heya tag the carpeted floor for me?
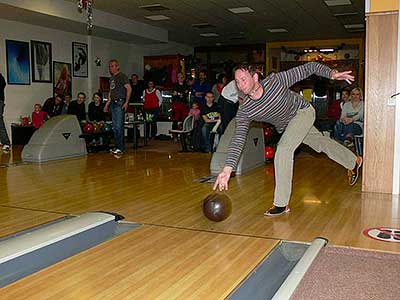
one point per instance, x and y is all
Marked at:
(342, 273)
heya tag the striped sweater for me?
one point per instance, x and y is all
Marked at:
(277, 106)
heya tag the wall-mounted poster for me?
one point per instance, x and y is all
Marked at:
(80, 59)
(62, 82)
(18, 68)
(41, 61)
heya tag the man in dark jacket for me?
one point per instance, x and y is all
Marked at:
(4, 140)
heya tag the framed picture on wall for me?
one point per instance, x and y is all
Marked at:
(41, 61)
(80, 59)
(18, 68)
(62, 80)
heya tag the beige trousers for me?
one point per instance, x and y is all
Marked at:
(301, 130)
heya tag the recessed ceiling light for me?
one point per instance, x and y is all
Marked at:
(154, 7)
(202, 25)
(241, 10)
(157, 17)
(353, 26)
(209, 34)
(277, 30)
(337, 2)
(356, 30)
(349, 14)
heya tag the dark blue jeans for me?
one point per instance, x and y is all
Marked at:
(206, 130)
(3, 132)
(118, 115)
(342, 131)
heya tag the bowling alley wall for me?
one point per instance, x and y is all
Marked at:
(381, 43)
(20, 99)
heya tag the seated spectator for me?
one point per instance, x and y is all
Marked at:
(351, 120)
(67, 101)
(38, 116)
(210, 114)
(96, 109)
(53, 106)
(78, 108)
(222, 81)
(195, 111)
(335, 109)
(334, 112)
(196, 136)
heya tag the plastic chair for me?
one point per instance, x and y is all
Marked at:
(358, 144)
(214, 137)
(184, 133)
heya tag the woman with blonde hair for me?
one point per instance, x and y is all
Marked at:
(351, 120)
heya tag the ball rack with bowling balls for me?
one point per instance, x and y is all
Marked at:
(97, 135)
(271, 139)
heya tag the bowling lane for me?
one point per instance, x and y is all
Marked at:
(149, 262)
(13, 220)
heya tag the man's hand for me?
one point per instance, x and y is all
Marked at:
(125, 106)
(222, 179)
(346, 75)
(105, 109)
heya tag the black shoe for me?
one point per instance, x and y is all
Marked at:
(277, 210)
(354, 174)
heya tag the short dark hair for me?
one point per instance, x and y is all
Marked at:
(61, 96)
(82, 93)
(98, 94)
(252, 69)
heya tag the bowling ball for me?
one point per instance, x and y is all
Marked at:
(217, 207)
(101, 124)
(107, 128)
(88, 128)
(268, 133)
(269, 152)
(96, 128)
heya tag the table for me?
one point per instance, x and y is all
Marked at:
(20, 135)
(135, 125)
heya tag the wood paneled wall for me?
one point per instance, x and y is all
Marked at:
(380, 84)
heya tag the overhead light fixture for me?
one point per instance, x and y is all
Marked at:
(202, 25)
(154, 7)
(356, 30)
(157, 17)
(277, 30)
(241, 10)
(327, 50)
(349, 14)
(209, 34)
(337, 2)
(353, 26)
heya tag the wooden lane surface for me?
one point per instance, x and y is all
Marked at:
(158, 188)
(11, 157)
(13, 220)
(149, 263)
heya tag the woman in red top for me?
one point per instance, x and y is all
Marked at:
(152, 101)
